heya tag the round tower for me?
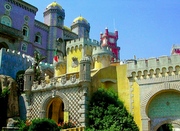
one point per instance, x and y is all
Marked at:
(85, 70)
(101, 57)
(81, 27)
(28, 79)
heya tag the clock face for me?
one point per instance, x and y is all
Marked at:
(111, 40)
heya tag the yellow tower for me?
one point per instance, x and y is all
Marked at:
(101, 57)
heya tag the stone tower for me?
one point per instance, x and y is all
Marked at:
(81, 27)
(28, 79)
(54, 16)
(110, 39)
(85, 80)
(28, 83)
(85, 70)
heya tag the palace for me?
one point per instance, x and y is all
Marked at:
(149, 88)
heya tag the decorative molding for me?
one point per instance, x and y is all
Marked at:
(24, 5)
(157, 88)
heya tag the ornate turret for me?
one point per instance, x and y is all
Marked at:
(109, 39)
(101, 57)
(54, 16)
(81, 27)
(28, 79)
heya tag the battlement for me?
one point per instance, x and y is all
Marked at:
(154, 67)
(101, 51)
(14, 53)
(12, 61)
(82, 41)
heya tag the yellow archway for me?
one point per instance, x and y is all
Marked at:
(55, 110)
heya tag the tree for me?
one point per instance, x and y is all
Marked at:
(107, 112)
(37, 72)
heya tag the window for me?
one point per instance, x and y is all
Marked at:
(38, 38)
(6, 21)
(25, 31)
(24, 47)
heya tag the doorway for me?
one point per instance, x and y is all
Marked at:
(55, 110)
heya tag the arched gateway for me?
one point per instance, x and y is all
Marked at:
(162, 105)
(55, 107)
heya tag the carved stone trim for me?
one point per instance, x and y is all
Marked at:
(161, 87)
(48, 98)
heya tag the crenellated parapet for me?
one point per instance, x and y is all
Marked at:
(79, 43)
(12, 61)
(154, 67)
(101, 52)
(101, 57)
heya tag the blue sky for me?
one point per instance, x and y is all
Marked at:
(147, 28)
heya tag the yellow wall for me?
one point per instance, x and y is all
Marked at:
(60, 70)
(123, 85)
(130, 97)
(73, 53)
(137, 107)
(105, 77)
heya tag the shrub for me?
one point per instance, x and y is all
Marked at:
(23, 125)
(107, 112)
(43, 125)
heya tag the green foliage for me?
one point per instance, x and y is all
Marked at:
(43, 125)
(107, 112)
(22, 125)
(5, 92)
(38, 58)
(166, 127)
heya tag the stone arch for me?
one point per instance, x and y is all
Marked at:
(157, 89)
(164, 122)
(154, 91)
(48, 98)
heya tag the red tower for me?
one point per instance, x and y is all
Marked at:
(110, 39)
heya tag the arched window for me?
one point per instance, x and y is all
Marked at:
(24, 47)
(38, 38)
(25, 31)
(6, 21)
